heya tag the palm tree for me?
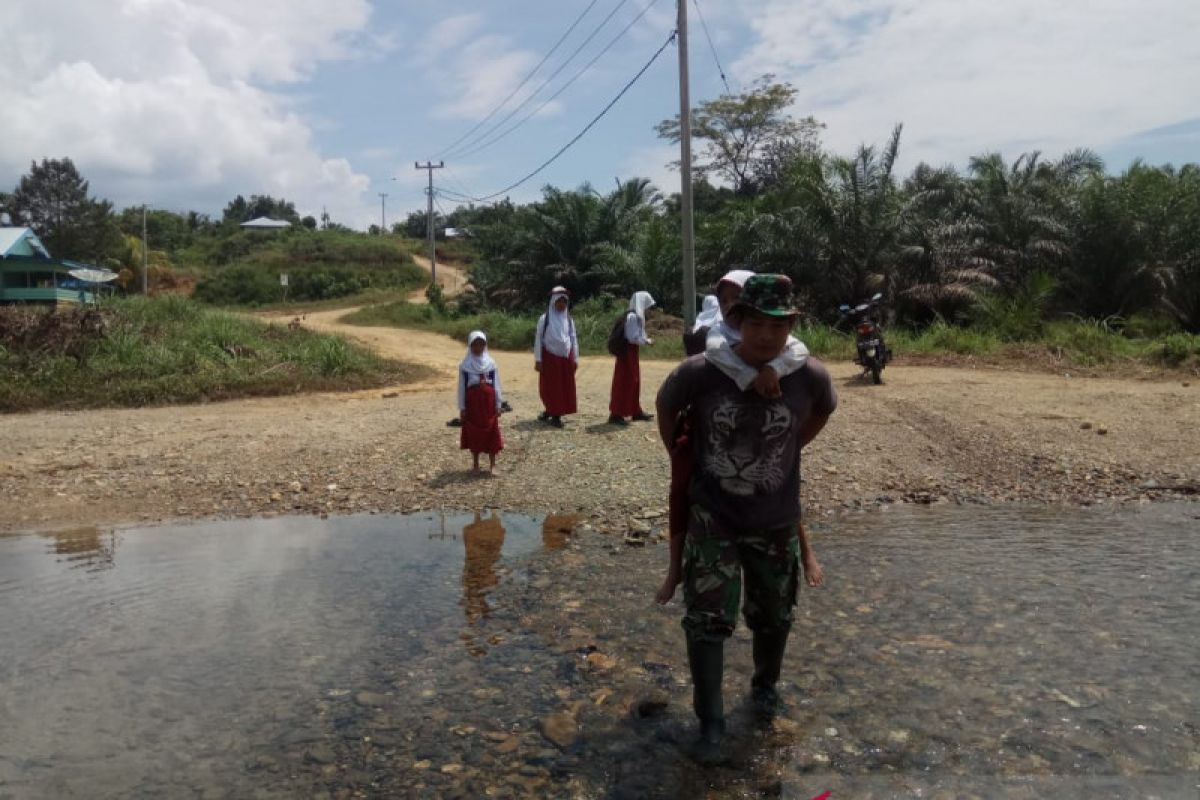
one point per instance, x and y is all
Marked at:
(1026, 210)
(941, 264)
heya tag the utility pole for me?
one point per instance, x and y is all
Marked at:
(145, 270)
(685, 170)
(382, 213)
(430, 167)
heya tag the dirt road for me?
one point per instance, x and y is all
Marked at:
(928, 435)
(452, 279)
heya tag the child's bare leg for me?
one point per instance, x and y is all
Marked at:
(491, 462)
(475, 459)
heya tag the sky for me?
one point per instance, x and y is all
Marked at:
(183, 104)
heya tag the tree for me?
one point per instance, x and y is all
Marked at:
(1026, 210)
(941, 268)
(749, 136)
(166, 230)
(240, 210)
(53, 200)
(309, 222)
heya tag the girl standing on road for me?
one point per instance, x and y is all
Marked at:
(556, 357)
(627, 374)
(479, 400)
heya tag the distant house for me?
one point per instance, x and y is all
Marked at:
(266, 223)
(29, 274)
(455, 233)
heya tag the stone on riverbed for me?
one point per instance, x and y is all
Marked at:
(561, 729)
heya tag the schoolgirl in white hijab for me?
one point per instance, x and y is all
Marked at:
(710, 313)
(479, 401)
(556, 357)
(635, 323)
(476, 368)
(556, 330)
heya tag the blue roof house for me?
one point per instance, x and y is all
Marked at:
(28, 274)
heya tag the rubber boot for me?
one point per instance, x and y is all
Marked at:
(768, 662)
(707, 660)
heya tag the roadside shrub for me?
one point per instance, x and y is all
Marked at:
(1178, 348)
(238, 286)
(944, 337)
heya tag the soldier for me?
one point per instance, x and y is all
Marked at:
(744, 516)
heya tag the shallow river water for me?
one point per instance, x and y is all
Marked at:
(954, 653)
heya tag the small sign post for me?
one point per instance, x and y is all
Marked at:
(283, 281)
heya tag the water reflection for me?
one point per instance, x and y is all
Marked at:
(225, 659)
(87, 546)
(557, 529)
(483, 541)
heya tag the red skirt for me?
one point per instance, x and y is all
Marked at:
(627, 384)
(556, 384)
(481, 430)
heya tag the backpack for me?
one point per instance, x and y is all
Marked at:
(616, 337)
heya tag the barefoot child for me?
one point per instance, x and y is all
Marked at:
(479, 401)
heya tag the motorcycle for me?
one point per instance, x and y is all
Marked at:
(872, 352)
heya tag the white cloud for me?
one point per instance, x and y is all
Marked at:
(653, 162)
(170, 102)
(968, 75)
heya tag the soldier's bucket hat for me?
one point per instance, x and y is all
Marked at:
(768, 294)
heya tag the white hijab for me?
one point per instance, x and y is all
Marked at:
(477, 364)
(737, 277)
(640, 303)
(557, 338)
(709, 315)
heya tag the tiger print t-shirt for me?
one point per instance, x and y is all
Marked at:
(747, 447)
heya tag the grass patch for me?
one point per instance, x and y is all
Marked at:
(170, 350)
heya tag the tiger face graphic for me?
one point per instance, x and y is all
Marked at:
(745, 446)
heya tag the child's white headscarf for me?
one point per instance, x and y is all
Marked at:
(477, 364)
(473, 368)
(709, 315)
(737, 277)
(640, 303)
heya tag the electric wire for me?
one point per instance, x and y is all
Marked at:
(711, 46)
(524, 80)
(587, 127)
(483, 145)
(528, 98)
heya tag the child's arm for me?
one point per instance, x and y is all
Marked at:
(813, 574)
(793, 357)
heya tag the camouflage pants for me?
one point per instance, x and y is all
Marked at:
(715, 562)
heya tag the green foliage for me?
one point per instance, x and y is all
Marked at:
(53, 200)
(749, 138)
(171, 349)
(321, 266)
(1021, 315)
(239, 286)
(240, 210)
(1180, 348)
